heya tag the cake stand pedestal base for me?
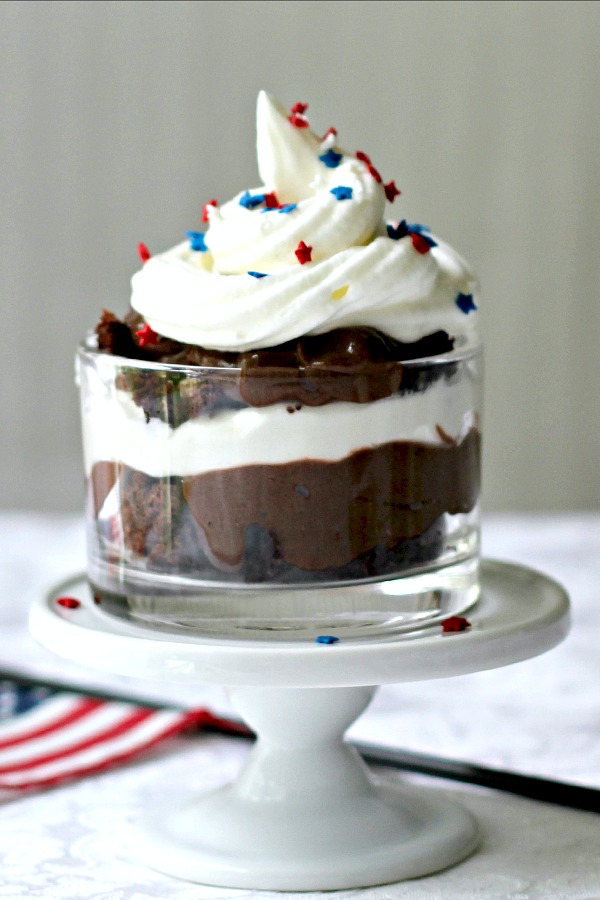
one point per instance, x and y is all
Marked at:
(305, 813)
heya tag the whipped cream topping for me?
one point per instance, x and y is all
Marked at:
(244, 287)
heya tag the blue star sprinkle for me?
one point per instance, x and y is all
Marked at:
(404, 228)
(197, 241)
(414, 228)
(258, 274)
(251, 202)
(465, 303)
(326, 639)
(399, 231)
(342, 192)
(290, 207)
(421, 230)
(331, 159)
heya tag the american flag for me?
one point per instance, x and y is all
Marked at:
(49, 736)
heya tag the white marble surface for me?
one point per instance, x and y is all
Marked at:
(541, 716)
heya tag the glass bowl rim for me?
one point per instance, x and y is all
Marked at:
(466, 348)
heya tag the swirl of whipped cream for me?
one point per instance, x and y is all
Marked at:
(357, 274)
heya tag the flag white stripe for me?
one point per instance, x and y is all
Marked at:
(125, 744)
(40, 716)
(106, 716)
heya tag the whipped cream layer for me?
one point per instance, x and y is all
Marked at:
(115, 429)
(246, 288)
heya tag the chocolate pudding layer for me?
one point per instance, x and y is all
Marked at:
(374, 513)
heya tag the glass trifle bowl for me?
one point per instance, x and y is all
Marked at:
(299, 491)
(282, 435)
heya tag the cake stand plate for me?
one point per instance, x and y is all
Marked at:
(305, 813)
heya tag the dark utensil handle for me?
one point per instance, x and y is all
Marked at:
(549, 791)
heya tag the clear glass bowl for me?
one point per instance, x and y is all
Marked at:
(228, 499)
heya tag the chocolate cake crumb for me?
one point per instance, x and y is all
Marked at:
(355, 365)
(115, 337)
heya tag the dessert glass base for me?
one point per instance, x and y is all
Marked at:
(396, 606)
(297, 815)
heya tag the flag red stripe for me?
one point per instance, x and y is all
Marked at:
(204, 718)
(107, 734)
(84, 708)
(186, 721)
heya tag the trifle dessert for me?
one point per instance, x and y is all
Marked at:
(292, 400)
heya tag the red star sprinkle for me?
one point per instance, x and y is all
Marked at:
(454, 624)
(303, 253)
(271, 201)
(373, 171)
(206, 207)
(298, 121)
(68, 602)
(297, 117)
(329, 133)
(391, 191)
(146, 336)
(420, 243)
(364, 157)
(143, 253)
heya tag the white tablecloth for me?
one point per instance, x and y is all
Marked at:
(541, 716)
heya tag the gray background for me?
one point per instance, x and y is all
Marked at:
(118, 120)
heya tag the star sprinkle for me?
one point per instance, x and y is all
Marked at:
(288, 208)
(373, 171)
(297, 117)
(250, 201)
(455, 624)
(415, 228)
(391, 191)
(197, 241)
(271, 201)
(364, 157)
(146, 336)
(421, 242)
(68, 602)
(143, 253)
(331, 159)
(303, 253)
(343, 192)
(421, 231)
(298, 121)
(326, 639)
(340, 292)
(258, 274)
(465, 303)
(397, 232)
(330, 133)
(206, 209)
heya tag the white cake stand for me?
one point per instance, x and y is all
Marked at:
(305, 813)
